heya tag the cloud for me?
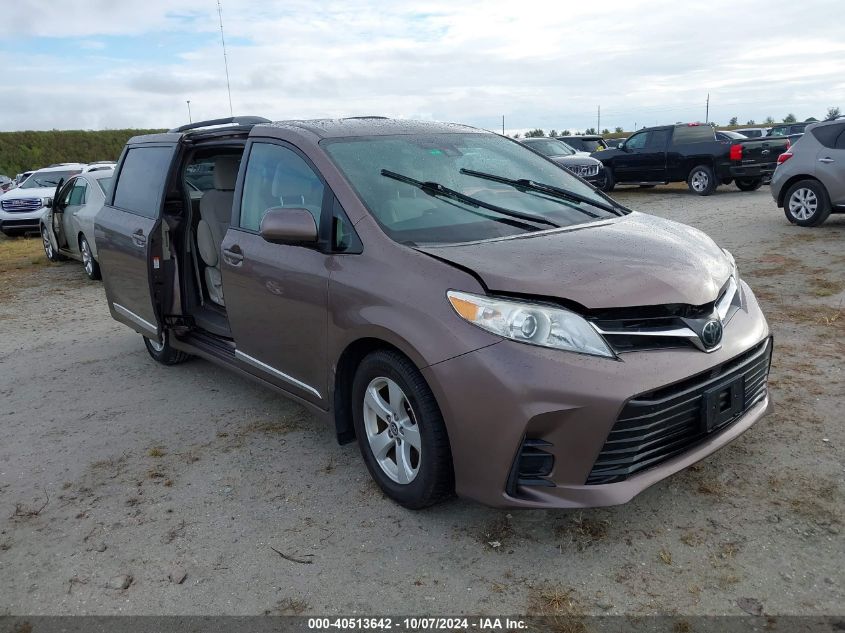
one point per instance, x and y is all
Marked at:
(540, 64)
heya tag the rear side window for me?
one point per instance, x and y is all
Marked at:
(278, 177)
(693, 134)
(828, 135)
(140, 183)
(657, 139)
(77, 194)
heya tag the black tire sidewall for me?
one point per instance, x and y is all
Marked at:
(167, 355)
(711, 180)
(823, 209)
(609, 180)
(435, 474)
(749, 184)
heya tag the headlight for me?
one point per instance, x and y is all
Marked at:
(531, 323)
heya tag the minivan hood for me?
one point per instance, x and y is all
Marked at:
(635, 260)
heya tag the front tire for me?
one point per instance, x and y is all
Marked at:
(52, 254)
(806, 203)
(400, 431)
(749, 184)
(609, 180)
(162, 352)
(701, 180)
(92, 268)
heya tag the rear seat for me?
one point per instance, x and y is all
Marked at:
(215, 216)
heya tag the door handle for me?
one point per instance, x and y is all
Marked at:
(826, 160)
(233, 256)
(139, 238)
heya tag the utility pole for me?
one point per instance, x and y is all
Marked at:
(503, 125)
(189, 111)
(707, 111)
(598, 123)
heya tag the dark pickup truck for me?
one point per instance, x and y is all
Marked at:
(691, 153)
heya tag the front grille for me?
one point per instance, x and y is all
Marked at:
(21, 205)
(658, 425)
(583, 170)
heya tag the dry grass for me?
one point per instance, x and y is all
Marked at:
(561, 606)
(21, 253)
(156, 451)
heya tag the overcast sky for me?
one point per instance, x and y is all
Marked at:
(93, 64)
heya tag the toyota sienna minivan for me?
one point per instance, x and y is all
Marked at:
(479, 319)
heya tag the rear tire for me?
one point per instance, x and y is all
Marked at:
(749, 184)
(92, 268)
(701, 180)
(609, 180)
(400, 431)
(806, 203)
(162, 352)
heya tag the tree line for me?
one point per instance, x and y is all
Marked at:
(22, 151)
(832, 113)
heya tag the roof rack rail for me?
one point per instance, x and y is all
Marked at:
(237, 120)
(370, 116)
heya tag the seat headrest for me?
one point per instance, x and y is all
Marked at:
(225, 173)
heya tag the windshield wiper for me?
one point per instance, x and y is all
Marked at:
(524, 183)
(436, 189)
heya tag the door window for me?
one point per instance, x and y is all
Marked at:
(78, 193)
(637, 141)
(140, 184)
(657, 139)
(277, 176)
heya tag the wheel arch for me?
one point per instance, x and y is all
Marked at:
(788, 184)
(701, 161)
(344, 373)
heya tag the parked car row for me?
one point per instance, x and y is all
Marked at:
(22, 207)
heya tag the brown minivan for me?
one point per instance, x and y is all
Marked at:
(482, 321)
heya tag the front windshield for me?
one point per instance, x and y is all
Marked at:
(410, 215)
(550, 147)
(41, 179)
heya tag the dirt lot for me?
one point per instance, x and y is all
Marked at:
(115, 470)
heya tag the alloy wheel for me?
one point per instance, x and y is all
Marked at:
(700, 181)
(391, 428)
(157, 345)
(48, 245)
(803, 203)
(87, 258)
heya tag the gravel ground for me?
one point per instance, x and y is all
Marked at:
(117, 474)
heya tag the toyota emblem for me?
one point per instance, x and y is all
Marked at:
(711, 333)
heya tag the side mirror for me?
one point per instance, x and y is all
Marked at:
(288, 226)
(48, 203)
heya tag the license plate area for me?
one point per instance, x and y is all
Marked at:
(723, 403)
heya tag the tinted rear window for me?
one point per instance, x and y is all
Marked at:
(693, 134)
(827, 134)
(141, 181)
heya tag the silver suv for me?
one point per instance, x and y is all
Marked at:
(809, 182)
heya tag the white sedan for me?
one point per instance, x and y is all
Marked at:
(67, 227)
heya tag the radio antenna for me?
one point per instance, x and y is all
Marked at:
(225, 59)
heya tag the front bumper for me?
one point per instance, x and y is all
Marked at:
(496, 397)
(29, 221)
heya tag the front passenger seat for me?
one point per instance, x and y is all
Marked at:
(215, 215)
